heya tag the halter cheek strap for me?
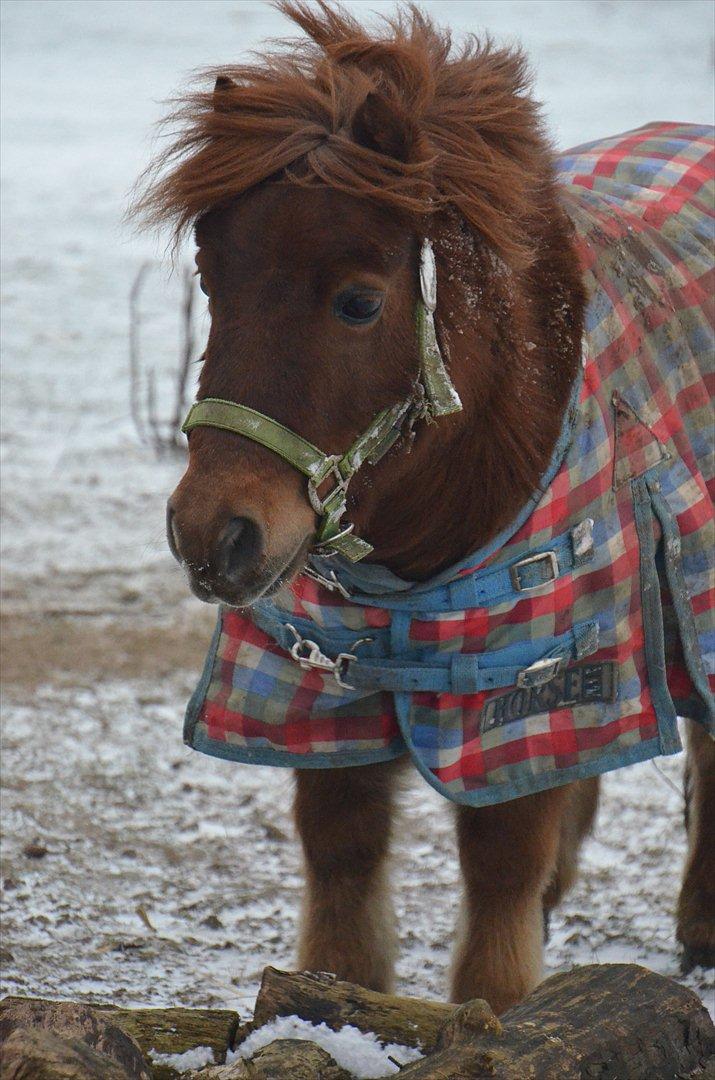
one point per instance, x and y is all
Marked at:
(433, 396)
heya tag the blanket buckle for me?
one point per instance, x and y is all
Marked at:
(540, 672)
(550, 567)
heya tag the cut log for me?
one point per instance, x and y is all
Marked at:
(322, 999)
(71, 1028)
(610, 1021)
(125, 1036)
(174, 1031)
(294, 1058)
(36, 1054)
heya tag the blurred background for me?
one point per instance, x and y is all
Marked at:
(132, 868)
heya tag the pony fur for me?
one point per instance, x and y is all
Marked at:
(301, 170)
(474, 172)
(454, 128)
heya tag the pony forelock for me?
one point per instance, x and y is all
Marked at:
(464, 130)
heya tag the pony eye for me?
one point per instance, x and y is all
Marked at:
(358, 306)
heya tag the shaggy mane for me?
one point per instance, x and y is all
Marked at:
(471, 135)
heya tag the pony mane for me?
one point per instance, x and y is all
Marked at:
(463, 131)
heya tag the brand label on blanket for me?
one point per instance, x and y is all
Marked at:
(578, 685)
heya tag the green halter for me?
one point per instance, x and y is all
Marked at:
(434, 395)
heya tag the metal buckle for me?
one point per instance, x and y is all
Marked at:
(316, 660)
(541, 672)
(341, 485)
(548, 556)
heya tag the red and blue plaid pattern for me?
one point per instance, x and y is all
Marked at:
(629, 618)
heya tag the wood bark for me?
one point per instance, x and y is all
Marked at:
(122, 1038)
(35, 1054)
(321, 998)
(282, 1059)
(66, 1037)
(610, 1021)
(602, 1022)
(173, 1031)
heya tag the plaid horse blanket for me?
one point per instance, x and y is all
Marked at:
(569, 645)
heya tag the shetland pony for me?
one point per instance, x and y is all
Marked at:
(310, 178)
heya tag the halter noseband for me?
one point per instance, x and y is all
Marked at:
(433, 396)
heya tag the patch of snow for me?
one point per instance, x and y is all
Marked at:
(360, 1053)
(195, 1058)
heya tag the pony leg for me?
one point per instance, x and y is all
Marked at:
(344, 820)
(696, 905)
(577, 821)
(508, 854)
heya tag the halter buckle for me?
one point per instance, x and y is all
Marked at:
(310, 657)
(341, 485)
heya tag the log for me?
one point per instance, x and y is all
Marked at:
(125, 1036)
(321, 998)
(610, 1021)
(173, 1031)
(34, 1054)
(65, 1038)
(294, 1058)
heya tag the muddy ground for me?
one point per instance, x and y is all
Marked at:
(136, 870)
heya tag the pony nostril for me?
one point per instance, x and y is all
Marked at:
(238, 548)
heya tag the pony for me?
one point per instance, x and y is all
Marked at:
(311, 178)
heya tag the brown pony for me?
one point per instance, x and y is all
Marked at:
(310, 179)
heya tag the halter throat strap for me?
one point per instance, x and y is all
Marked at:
(433, 395)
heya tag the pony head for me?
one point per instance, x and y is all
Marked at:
(311, 178)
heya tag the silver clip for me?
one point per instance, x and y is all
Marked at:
(309, 656)
(328, 582)
(541, 672)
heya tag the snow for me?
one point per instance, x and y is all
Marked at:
(195, 1058)
(362, 1054)
(103, 642)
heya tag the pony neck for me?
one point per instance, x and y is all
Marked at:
(512, 340)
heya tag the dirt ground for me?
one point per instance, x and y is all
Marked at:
(136, 870)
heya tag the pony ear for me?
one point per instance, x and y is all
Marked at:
(222, 86)
(381, 125)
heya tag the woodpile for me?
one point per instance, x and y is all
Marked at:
(616, 1021)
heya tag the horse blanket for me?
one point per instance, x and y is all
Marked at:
(569, 645)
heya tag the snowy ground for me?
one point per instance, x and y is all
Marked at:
(134, 869)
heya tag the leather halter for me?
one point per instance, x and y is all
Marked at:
(433, 395)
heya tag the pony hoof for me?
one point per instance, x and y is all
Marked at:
(697, 956)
